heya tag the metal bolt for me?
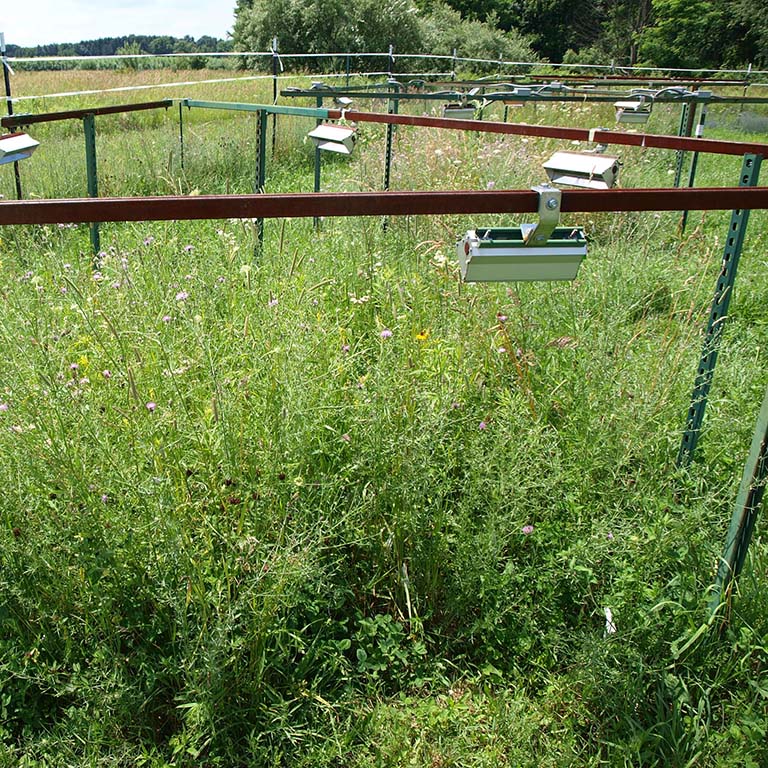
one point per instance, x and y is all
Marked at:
(551, 203)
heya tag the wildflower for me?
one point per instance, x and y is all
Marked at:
(501, 318)
(182, 296)
(502, 350)
(345, 347)
(482, 425)
(106, 373)
(97, 277)
(221, 279)
(3, 407)
(272, 302)
(189, 248)
(490, 185)
(527, 530)
(116, 284)
(455, 404)
(104, 498)
(151, 406)
(67, 267)
(386, 333)
(149, 240)
(610, 536)
(346, 437)
(422, 336)
(167, 318)
(74, 367)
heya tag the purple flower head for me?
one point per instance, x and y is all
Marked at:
(610, 536)
(167, 318)
(345, 347)
(74, 367)
(189, 248)
(106, 373)
(104, 498)
(3, 407)
(386, 334)
(182, 296)
(527, 530)
(149, 240)
(151, 406)
(501, 318)
(482, 425)
(272, 302)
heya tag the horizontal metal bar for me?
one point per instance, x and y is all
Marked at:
(17, 120)
(550, 98)
(371, 204)
(272, 109)
(649, 140)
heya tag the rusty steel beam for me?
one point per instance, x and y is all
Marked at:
(268, 206)
(15, 121)
(598, 136)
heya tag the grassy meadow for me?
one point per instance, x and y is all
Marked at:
(322, 504)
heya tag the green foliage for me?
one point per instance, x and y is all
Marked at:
(682, 34)
(320, 504)
(312, 26)
(445, 30)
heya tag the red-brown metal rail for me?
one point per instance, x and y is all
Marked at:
(650, 140)
(371, 204)
(14, 121)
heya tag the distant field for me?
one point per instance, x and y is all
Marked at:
(319, 503)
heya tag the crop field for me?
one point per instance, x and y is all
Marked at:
(316, 502)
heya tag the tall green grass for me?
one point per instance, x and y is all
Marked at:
(320, 503)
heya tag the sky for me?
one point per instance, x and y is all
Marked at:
(37, 22)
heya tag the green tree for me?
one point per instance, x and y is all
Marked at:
(684, 34)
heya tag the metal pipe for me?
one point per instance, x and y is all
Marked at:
(267, 206)
(9, 107)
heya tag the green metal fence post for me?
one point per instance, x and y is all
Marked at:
(687, 115)
(745, 513)
(694, 160)
(9, 107)
(275, 67)
(181, 133)
(261, 168)
(318, 160)
(89, 129)
(392, 109)
(750, 172)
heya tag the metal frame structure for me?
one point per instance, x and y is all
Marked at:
(741, 200)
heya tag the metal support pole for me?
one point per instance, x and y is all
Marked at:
(750, 172)
(318, 161)
(181, 133)
(347, 70)
(392, 109)
(453, 65)
(391, 60)
(275, 68)
(748, 503)
(687, 115)
(9, 107)
(261, 168)
(694, 160)
(89, 129)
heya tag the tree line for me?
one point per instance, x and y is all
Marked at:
(663, 33)
(706, 34)
(111, 46)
